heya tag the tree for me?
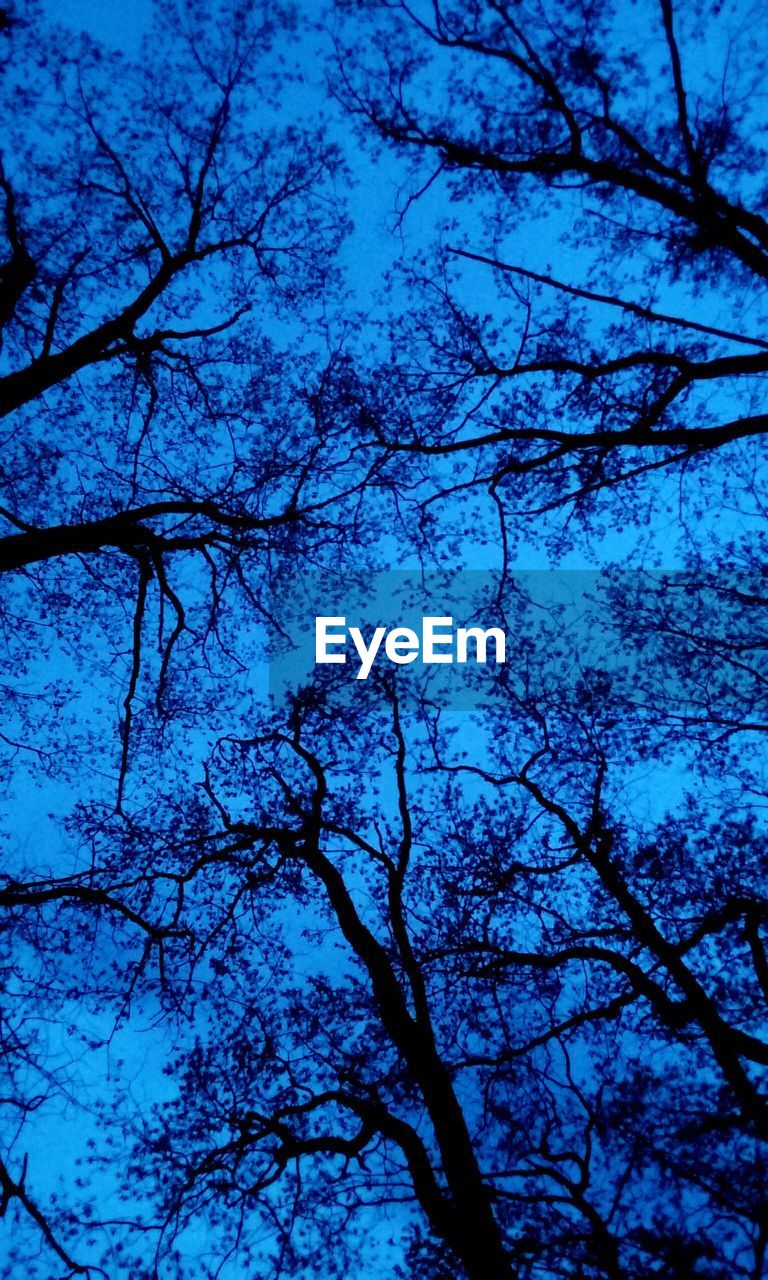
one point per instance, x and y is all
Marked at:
(427, 994)
(609, 157)
(153, 217)
(544, 1030)
(160, 221)
(138, 330)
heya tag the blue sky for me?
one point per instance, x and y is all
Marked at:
(126, 1069)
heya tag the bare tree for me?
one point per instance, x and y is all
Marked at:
(597, 314)
(487, 990)
(427, 996)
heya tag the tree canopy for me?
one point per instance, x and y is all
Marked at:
(344, 306)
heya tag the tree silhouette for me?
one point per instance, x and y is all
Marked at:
(617, 164)
(500, 996)
(362, 980)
